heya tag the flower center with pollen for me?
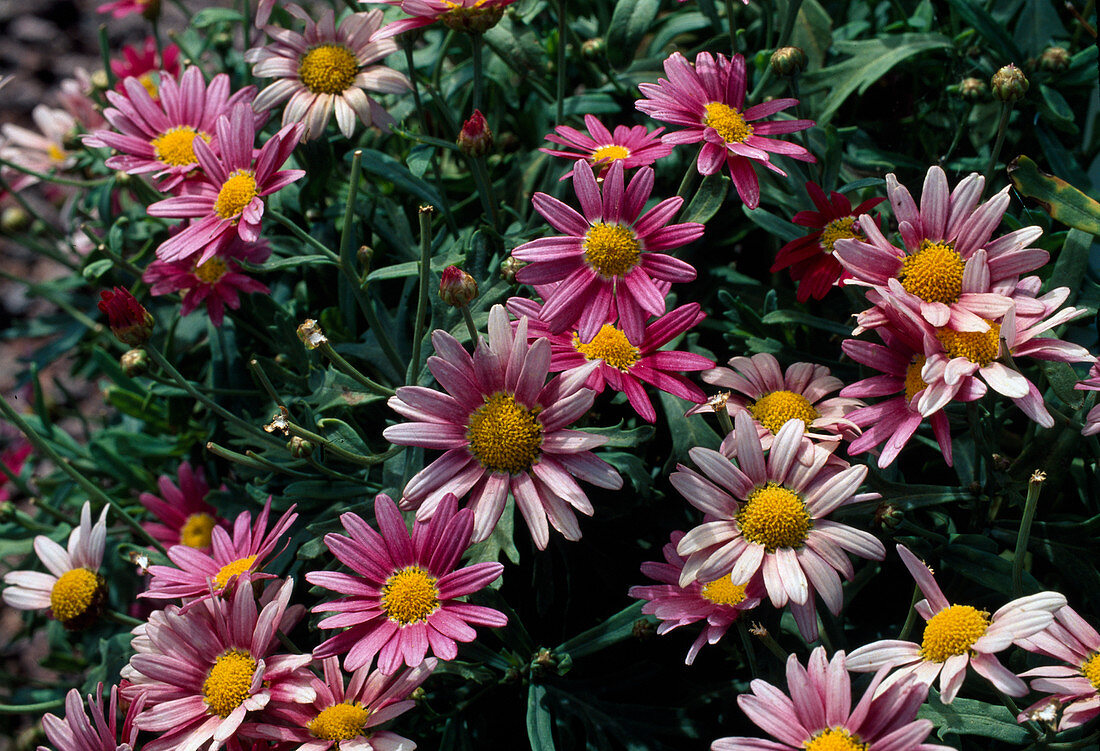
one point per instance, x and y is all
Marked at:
(236, 193)
(914, 384)
(211, 271)
(1090, 668)
(834, 739)
(729, 123)
(410, 595)
(231, 569)
(981, 347)
(610, 153)
(774, 409)
(934, 273)
(952, 631)
(340, 722)
(611, 249)
(504, 435)
(838, 229)
(195, 532)
(328, 69)
(774, 517)
(228, 683)
(610, 345)
(175, 147)
(723, 591)
(74, 593)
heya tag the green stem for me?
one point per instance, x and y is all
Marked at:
(724, 419)
(1011, 707)
(6, 186)
(17, 481)
(687, 184)
(469, 320)
(793, 6)
(53, 179)
(560, 99)
(302, 235)
(32, 709)
(485, 189)
(125, 620)
(476, 45)
(350, 370)
(911, 616)
(422, 297)
(105, 55)
(407, 46)
(747, 645)
(772, 645)
(349, 456)
(1034, 486)
(1002, 126)
(733, 31)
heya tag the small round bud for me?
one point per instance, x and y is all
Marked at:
(130, 322)
(508, 268)
(365, 255)
(475, 139)
(1009, 84)
(99, 80)
(134, 362)
(14, 219)
(299, 448)
(1054, 59)
(122, 179)
(457, 288)
(888, 516)
(418, 694)
(593, 48)
(972, 89)
(643, 630)
(788, 61)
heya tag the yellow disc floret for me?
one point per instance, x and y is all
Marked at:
(834, 739)
(410, 595)
(76, 593)
(175, 146)
(195, 532)
(328, 69)
(611, 249)
(775, 409)
(914, 383)
(233, 568)
(211, 271)
(934, 273)
(229, 681)
(981, 347)
(1090, 668)
(236, 193)
(610, 153)
(953, 631)
(504, 435)
(838, 229)
(774, 517)
(610, 345)
(340, 722)
(729, 123)
(723, 591)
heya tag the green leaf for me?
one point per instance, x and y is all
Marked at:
(971, 717)
(501, 541)
(539, 722)
(613, 630)
(388, 168)
(772, 224)
(210, 16)
(687, 432)
(619, 438)
(987, 569)
(708, 199)
(1056, 110)
(1057, 197)
(595, 104)
(96, 269)
(798, 318)
(1062, 379)
(629, 23)
(994, 33)
(296, 262)
(1072, 263)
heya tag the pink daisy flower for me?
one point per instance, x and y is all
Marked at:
(327, 69)
(1073, 688)
(771, 517)
(218, 282)
(1092, 383)
(73, 590)
(202, 575)
(185, 516)
(228, 201)
(13, 458)
(346, 719)
(623, 366)
(43, 150)
(100, 732)
(635, 147)
(812, 259)
(956, 636)
(122, 8)
(158, 135)
(503, 430)
(720, 602)
(145, 65)
(708, 100)
(472, 16)
(401, 602)
(609, 256)
(202, 672)
(818, 714)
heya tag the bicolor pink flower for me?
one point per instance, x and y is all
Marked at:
(185, 518)
(635, 147)
(708, 100)
(818, 715)
(123, 8)
(202, 672)
(720, 602)
(610, 256)
(158, 135)
(145, 64)
(402, 601)
(43, 150)
(956, 636)
(200, 575)
(623, 366)
(228, 201)
(218, 282)
(99, 732)
(1073, 688)
(503, 430)
(471, 16)
(73, 590)
(327, 69)
(1092, 383)
(771, 516)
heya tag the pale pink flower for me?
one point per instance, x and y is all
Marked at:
(474, 16)
(1073, 688)
(74, 94)
(956, 636)
(636, 146)
(185, 518)
(43, 150)
(99, 732)
(1092, 383)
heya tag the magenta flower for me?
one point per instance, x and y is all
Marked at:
(1092, 383)
(471, 16)
(1073, 688)
(635, 147)
(956, 636)
(720, 601)
(818, 714)
(123, 8)
(708, 100)
(401, 601)
(99, 732)
(609, 256)
(503, 430)
(228, 201)
(143, 64)
(185, 516)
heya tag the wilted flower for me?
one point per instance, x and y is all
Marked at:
(130, 322)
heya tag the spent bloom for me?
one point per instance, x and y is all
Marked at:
(184, 516)
(1074, 687)
(469, 16)
(634, 147)
(98, 732)
(130, 322)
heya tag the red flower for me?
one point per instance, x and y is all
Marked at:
(129, 321)
(476, 139)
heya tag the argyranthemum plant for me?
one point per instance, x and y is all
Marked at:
(1073, 688)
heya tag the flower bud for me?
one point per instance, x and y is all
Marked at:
(1054, 59)
(14, 219)
(134, 362)
(473, 20)
(508, 268)
(130, 322)
(1009, 84)
(365, 255)
(476, 139)
(457, 288)
(972, 89)
(788, 61)
(150, 9)
(888, 516)
(593, 48)
(100, 82)
(299, 447)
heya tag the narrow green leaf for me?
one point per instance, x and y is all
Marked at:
(789, 317)
(629, 23)
(388, 168)
(209, 16)
(1062, 379)
(993, 32)
(708, 199)
(613, 630)
(539, 722)
(1057, 197)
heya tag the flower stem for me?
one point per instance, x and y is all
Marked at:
(476, 45)
(1002, 126)
(687, 185)
(560, 111)
(350, 370)
(343, 453)
(422, 297)
(750, 649)
(469, 320)
(32, 709)
(733, 31)
(772, 645)
(105, 55)
(1034, 486)
(911, 616)
(53, 178)
(407, 46)
(125, 620)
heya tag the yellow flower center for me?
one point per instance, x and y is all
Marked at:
(504, 435)
(914, 384)
(610, 345)
(838, 229)
(74, 593)
(211, 271)
(774, 409)
(229, 681)
(410, 595)
(834, 739)
(981, 347)
(175, 146)
(774, 517)
(149, 84)
(195, 532)
(723, 591)
(236, 193)
(1090, 668)
(611, 249)
(340, 722)
(56, 153)
(610, 153)
(231, 569)
(952, 631)
(328, 69)
(729, 123)
(934, 273)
